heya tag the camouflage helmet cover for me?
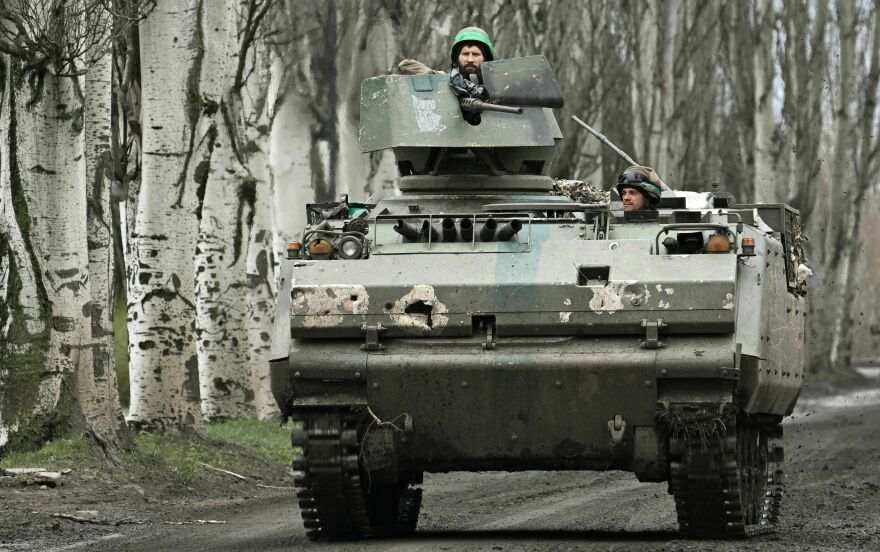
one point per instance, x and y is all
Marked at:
(472, 34)
(643, 179)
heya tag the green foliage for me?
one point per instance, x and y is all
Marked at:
(55, 455)
(233, 445)
(244, 446)
(267, 439)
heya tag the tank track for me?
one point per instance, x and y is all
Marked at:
(333, 501)
(730, 486)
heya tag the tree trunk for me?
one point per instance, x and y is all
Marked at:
(98, 395)
(865, 175)
(665, 131)
(765, 182)
(259, 115)
(840, 217)
(644, 93)
(45, 319)
(25, 318)
(291, 163)
(739, 75)
(227, 216)
(163, 363)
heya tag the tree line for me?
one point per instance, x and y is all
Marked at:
(158, 154)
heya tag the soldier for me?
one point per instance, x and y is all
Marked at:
(470, 48)
(639, 188)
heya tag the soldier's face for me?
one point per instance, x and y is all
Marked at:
(469, 59)
(633, 200)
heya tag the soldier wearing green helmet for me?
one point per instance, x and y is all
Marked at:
(470, 48)
(639, 188)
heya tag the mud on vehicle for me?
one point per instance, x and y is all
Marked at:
(475, 322)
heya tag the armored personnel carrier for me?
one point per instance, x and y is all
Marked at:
(476, 322)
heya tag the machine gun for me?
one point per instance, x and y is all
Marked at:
(473, 105)
(506, 85)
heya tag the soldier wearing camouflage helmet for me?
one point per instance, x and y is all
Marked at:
(639, 188)
(470, 48)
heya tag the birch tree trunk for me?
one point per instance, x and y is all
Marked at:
(26, 402)
(646, 106)
(369, 38)
(765, 182)
(261, 289)
(738, 68)
(840, 217)
(98, 395)
(229, 196)
(163, 363)
(290, 163)
(666, 86)
(259, 117)
(46, 328)
(865, 175)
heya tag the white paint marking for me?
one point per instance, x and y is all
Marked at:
(426, 115)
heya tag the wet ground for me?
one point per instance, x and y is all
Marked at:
(832, 503)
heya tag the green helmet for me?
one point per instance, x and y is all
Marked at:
(643, 179)
(472, 34)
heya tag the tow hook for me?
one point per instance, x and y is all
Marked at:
(616, 428)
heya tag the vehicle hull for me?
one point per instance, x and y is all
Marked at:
(527, 403)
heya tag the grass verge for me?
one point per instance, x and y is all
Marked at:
(54, 455)
(253, 448)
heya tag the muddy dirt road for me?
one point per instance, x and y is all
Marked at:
(832, 503)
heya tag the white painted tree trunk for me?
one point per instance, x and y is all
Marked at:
(162, 357)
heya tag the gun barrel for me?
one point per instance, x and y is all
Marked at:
(466, 227)
(509, 230)
(487, 232)
(408, 231)
(474, 105)
(449, 232)
(430, 232)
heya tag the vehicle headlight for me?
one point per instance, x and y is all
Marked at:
(350, 247)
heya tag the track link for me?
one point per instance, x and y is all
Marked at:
(329, 483)
(327, 477)
(729, 486)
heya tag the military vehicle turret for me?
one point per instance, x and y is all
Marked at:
(475, 322)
